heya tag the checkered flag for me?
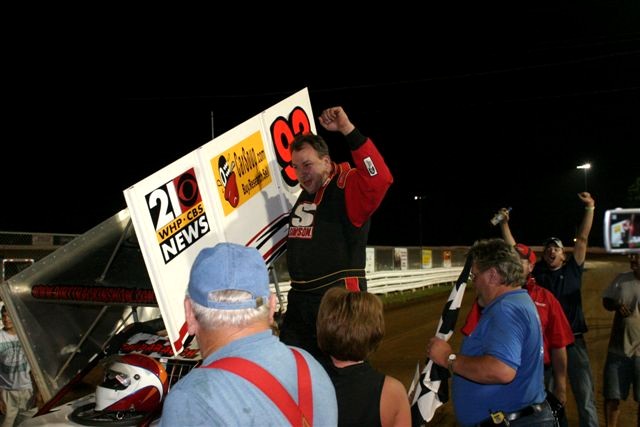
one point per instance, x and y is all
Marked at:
(430, 389)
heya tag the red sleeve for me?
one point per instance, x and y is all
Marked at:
(558, 331)
(472, 319)
(366, 184)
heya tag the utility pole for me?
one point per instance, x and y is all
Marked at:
(419, 199)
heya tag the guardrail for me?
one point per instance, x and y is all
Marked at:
(384, 282)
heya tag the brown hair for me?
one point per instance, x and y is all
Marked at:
(350, 325)
(315, 141)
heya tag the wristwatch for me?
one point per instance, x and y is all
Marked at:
(452, 358)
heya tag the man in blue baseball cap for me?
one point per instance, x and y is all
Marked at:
(248, 377)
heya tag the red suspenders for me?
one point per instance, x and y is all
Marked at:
(299, 415)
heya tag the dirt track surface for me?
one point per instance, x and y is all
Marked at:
(409, 327)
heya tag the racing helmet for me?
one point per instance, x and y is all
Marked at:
(132, 382)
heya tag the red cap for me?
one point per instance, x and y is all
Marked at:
(526, 252)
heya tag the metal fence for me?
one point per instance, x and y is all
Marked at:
(396, 258)
(390, 281)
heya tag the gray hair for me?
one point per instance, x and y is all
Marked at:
(500, 255)
(210, 318)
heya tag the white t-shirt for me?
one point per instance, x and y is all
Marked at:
(625, 331)
(14, 367)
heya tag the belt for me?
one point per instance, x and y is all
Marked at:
(331, 279)
(498, 418)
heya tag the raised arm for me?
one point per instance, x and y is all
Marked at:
(336, 120)
(580, 248)
(367, 184)
(504, 227)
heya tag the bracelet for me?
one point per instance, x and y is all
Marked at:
(589, 208)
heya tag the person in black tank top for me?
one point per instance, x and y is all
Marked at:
(350, 327)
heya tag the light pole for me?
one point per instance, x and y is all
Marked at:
(419, 199)
(585, 167)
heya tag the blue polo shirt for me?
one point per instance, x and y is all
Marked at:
(509, 330)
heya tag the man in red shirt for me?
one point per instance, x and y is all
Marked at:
(329, 223)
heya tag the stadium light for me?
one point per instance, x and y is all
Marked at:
(585, 167)
(419, 199)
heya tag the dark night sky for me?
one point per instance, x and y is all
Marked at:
(533, 93)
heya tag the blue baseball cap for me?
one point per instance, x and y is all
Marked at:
(229, 266)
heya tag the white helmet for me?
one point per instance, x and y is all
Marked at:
(133, 382)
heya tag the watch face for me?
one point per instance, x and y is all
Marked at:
(450, 360)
